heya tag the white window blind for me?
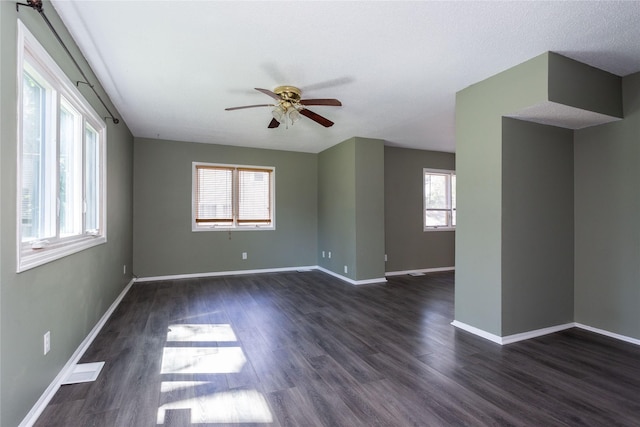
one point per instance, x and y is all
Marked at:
(214, 194)
(254, 196)
(230, 196)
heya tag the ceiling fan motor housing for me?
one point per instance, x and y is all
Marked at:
(288, 93)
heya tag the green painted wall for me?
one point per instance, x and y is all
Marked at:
(370, 204)
(351, 208)
(5, 50)
(337, 207)
(537, 226)
(514, 261)
(332, 201)
(70, 295)
(162, 212)
(407, 246)
(607, 206)
(479, 111)
(582, 86)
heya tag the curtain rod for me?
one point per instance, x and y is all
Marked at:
(37, 5)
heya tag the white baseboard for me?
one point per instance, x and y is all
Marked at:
(48, 394)
(266, 270)
(477, 331)
(353, 282)
(535, 333)
(422, 270)
(538, 333)
(511, 338)
(223, 273)
(608, 334)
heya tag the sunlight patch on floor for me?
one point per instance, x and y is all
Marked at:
(172, 386)
(231, 407)
(201, 332)
(202, 360)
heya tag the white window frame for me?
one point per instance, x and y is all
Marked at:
(234, 226)
(39, 251)
(449, 209)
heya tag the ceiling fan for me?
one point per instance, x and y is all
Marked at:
(290, 106)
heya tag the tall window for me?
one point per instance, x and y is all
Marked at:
(61, 143)
(232, 197)
(439, 199)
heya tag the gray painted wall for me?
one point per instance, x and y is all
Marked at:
(407, 246)
(351, 208)
(162, 212)
(501, 188)
(70, 295)
(479, 111)
(5, 51)
(537, 226)
(607, 206)
(369, 209)
(582, 86)
(337, 207)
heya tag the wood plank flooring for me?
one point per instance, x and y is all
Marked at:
(306, 349)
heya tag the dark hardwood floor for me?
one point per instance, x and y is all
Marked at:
(306, 349)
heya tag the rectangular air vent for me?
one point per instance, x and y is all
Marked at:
(83, 373)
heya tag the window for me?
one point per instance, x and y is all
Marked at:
(439, 199)
(232, 197)
(61, 146)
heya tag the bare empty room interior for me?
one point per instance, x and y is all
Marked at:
(319, 213)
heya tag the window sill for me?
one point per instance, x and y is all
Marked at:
(440, 229)
(31, 258)
(221, 228)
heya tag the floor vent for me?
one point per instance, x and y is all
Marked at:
(83, 373)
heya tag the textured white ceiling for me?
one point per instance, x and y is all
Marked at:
(560, 115)
(171, 67)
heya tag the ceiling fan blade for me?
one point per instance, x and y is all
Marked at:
(248, 106)
(328, 83)
(269, 93)
(273, 124)
(333, 102)
(316, 118)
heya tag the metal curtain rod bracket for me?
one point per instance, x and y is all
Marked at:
(34, 4)
(37, 5)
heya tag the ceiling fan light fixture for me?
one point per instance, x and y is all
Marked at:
(289, 106)
(293, 114)
(279, 114)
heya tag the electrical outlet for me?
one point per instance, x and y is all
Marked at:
(329, 254)
(47, 342)
(346, 269)
(124, 269)
(322, 254)
(385, 257)
(244, 255)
